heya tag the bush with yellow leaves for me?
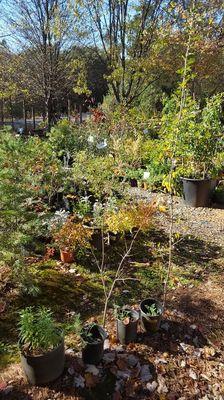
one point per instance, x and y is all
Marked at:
(132, 216)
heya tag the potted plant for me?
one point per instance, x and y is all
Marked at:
(92, 337)
(41, 346)
(127, 324)
(134, 176)
(194, 139)
(151, 313)
(219, 193)
(71, 237)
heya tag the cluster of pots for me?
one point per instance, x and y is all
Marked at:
(45, 368)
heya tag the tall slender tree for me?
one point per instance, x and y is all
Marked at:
(126, 31)
(43, 28)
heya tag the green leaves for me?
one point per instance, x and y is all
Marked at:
(37, 330)
(194, 140)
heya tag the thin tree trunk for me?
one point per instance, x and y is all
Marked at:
(33, 118)
(11, 110)
(49, 109)
(24, 116)
(69, 109)
(2, 112)
(80, 114)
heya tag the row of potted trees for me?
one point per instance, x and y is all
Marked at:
(41, 342)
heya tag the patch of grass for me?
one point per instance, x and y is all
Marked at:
(8, 354)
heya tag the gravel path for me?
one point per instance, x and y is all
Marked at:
(204, 223)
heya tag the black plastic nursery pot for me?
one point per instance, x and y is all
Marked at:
(198, 192)
(92, 353)
(133, 182)
(218, 196)
(44, 368)
(150, 323)
(127, 333)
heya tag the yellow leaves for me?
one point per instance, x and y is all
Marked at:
(79, 69)
(162, 208)
(127, 218)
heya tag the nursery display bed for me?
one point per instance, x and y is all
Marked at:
(184, 360)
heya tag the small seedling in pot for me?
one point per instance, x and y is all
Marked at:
(126, 324)
(87, 334)
(123, 315)
(152, 310)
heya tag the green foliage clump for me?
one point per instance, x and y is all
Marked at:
(193, 135)
(152, 310)
(98, 175)
(65, 138)
(37, 330)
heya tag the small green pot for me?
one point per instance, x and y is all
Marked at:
(150, 323)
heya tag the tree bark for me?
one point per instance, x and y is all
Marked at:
(69, 109)
(2, 112)
(11, 110)
(33, 118)
(24, 116)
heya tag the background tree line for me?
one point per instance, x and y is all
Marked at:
(63, 53)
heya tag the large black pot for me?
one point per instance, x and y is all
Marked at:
(150, 323)
(44, 368)
(92, 353)
(128, 333)
(198, 192)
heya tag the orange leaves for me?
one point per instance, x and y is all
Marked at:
(72, 235)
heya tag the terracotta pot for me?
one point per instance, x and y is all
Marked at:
(67, 256)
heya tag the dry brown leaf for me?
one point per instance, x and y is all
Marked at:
(91, 380)
(131, 388)
(136, 371)
(113, 339)
(113, 370)
(122, 364)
